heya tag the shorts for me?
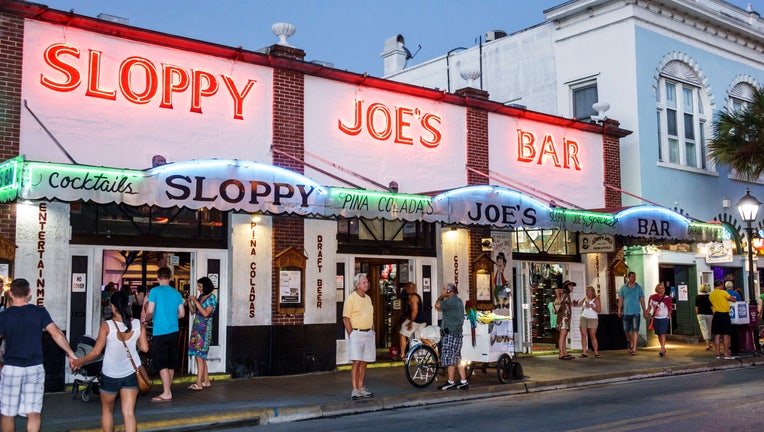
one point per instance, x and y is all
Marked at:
(21, 390)
(588, 323)
(631, 323)
(452, 350)
(164, 352)
(113, 385)
(362, 346)
(416, 328)
(660, 326)
(721, 324)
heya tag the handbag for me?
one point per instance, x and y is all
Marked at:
(652, 318)
(144, 382)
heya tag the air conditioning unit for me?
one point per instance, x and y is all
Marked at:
(494, 34)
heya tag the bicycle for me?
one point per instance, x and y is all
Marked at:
(422, 361)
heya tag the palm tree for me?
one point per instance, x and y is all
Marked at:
(739, 138)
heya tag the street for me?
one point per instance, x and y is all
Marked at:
(675, 403)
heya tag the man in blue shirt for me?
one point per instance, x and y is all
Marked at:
(729, 286)
(631, 297)
(165, 308)
(23, 376)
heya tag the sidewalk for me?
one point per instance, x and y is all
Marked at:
(289, 398)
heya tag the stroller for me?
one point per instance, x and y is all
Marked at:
(89, 374)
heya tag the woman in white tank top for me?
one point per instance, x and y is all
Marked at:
(590, 309)
(118, 374)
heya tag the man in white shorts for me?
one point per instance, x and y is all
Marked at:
(358, 317)
(23, 376)
(415, 322)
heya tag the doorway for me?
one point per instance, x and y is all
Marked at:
(679, 281)
(384, 290)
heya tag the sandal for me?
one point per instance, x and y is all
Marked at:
(582, 355)
(195, 387)
(566, 357)
(633, 352)
(596, 356)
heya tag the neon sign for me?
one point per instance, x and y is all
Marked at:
(529, 150)
(163, 81)
(351, 202)
(381, 122)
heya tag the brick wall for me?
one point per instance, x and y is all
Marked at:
(288, 137)
(611, 153)
(477, 159)
(11, 41)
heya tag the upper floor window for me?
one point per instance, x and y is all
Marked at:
(740, 96)
(681, 117)
(584, 95)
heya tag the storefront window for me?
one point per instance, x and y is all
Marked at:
(551, 242)
(94, 223)
(387, 237)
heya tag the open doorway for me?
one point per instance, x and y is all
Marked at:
(385, 293)
(135, 272)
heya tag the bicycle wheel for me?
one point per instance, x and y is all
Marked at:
(421, 366)
(469, 368)
(504, 368)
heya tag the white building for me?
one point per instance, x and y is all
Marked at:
(664, 67)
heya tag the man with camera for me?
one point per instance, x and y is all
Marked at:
(453, 318)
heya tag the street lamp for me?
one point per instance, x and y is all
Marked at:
(748, 206)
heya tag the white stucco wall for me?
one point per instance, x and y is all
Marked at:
(42, 257)
(251, 251)
(320, 272)
(414, 166)
(133, 132)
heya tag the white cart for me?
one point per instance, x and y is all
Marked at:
(494, 345)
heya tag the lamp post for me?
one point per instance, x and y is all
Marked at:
(748, 206)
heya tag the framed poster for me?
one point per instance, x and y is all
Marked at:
(290, 265)
(289, 286)
(483, 285)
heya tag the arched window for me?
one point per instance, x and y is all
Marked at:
(740, 96)
(681, 116)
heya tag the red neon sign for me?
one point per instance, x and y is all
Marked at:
(380, 123)
(529, 151)
(171, 79)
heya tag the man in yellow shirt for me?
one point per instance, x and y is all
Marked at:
(721, 325)
(358, 317)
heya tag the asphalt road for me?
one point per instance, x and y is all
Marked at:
(721, 400)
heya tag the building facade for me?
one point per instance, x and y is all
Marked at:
(663, 68)
(126, 150)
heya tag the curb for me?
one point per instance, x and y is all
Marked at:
(253, 417)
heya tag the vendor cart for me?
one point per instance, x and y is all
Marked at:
(492, 346)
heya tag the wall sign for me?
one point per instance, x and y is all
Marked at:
(79, 282)
(596, 243)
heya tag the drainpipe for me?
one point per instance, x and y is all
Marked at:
(480, 59)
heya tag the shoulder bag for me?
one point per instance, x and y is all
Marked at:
(652, 318)
(144, 383)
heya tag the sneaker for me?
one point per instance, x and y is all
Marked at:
(463, 386)
(730, 357)
(354, 395)
(448, 386)
(365, 393)
(720, 357)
